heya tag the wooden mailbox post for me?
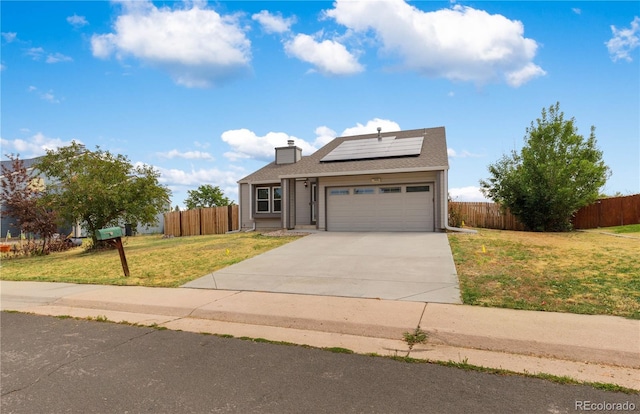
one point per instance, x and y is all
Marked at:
(113, 235)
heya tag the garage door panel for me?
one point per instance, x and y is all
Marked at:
(380, 208)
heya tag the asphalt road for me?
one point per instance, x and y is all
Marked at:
(51, 365)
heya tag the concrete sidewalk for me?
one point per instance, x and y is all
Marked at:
(587, 348)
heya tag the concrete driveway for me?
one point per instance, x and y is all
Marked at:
(400, 266)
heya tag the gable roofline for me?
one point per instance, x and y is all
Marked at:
(433, 157)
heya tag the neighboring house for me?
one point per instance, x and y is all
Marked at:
(389, 181)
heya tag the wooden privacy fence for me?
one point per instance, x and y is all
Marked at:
(606, 212)
(201, 221)
(485, 215)
(609, 212)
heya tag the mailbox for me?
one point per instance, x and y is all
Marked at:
(113, 235)
(108, 233)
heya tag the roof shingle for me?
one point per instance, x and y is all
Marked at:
(433, 156)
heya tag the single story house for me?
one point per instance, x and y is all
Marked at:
(389, 181)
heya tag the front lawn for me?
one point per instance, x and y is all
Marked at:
(631, 229)
(152, 260)
(577, 272)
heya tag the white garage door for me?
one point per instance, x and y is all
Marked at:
(380, 208)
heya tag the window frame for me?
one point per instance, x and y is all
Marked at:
(339, 191)
(259, 200)
(425, 188)
(274, 199)
(363, 191)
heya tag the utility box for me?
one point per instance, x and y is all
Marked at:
(108, 233)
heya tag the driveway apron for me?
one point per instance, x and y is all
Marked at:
(398, 266)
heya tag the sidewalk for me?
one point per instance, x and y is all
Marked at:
(587, 348)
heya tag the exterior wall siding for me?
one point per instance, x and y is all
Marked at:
(262, 224)
(245, 207)
(285, 155)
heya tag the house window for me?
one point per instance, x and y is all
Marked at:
(389, 190)
(277, 199)
(262, 199)
(417, 189)
(365, 190)
(339, 191)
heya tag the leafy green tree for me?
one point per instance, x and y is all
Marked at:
(22, 198)
(206, 196)
(100, 189)
(556, 173)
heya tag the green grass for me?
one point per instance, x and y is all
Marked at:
(632, 228)
(577, 272)
(152, 260)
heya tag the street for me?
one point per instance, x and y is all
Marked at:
(52, 365)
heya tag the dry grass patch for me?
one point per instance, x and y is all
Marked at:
(152, 260)
(578, 272)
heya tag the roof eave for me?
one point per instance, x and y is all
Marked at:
(363, 172)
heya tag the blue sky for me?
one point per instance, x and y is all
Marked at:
(204, 91)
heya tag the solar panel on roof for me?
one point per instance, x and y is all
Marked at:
(386, 147)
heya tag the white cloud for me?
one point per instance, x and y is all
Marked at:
(57, 57)
(272, 23)
(576, 10)
(9, 36)
(471, 194)
(246, 144)
(196, 45)
(324, 135)
(624, 41)
(49, 97)
(37, 53)
(45, 96)
(235, 156)
(328, 56)
(77, 21)
(464, 154)
(188, 155)
(212, 176)
(371, 127)
(524, 74)
(34, 146)
(179, 181)
(459, 43)
(201, 144)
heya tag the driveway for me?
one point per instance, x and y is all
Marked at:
(399, 266)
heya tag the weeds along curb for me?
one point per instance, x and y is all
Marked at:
(417, 335)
